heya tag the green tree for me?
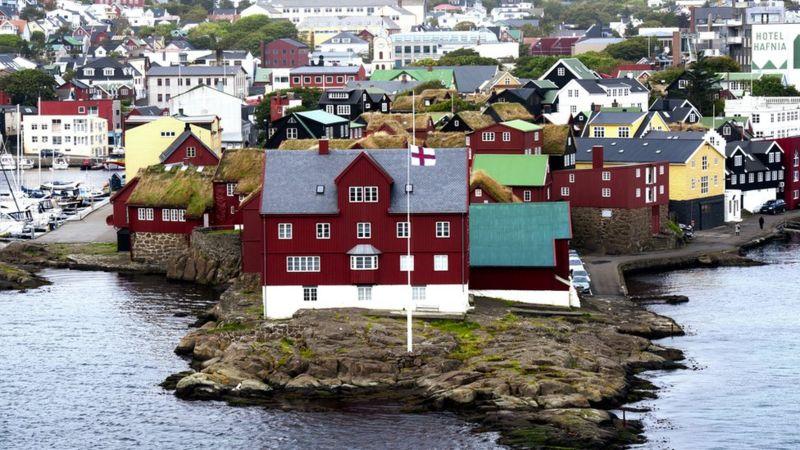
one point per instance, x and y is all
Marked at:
(772, 86)
(632, 49)
(31, 12)
(666, 76)
(26, 86)
(701, 79)
(599, 61)
(464, 26)
(533, 66)
(720, 64)
(196, 14)
(11, 43)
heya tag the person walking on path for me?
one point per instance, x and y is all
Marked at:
(761, 222)
(737, 228)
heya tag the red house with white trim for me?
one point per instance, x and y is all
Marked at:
(188, 149)
(325, 77)
(791, 163)
(514, 137)
(108, 109)
(238, 175)
(332, 231)
(616, 209)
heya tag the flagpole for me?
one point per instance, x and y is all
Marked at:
(409, 324)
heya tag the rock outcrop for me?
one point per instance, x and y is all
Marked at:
(213, 257)
(539, 380)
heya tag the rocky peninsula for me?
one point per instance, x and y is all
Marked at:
(539, 377)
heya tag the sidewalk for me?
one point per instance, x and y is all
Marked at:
(604, 269)
(92, 228)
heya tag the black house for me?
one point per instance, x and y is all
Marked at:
(316, 124)
(756, 169)
(539, 97)
(466, 121)
(351, 103)
(566, 70)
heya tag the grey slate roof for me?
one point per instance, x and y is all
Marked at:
(675, 151)
(193, 70)
(613, 118)
(690, 135)
(593, 86)
(291, 179)
(750, 147)
(470, 78)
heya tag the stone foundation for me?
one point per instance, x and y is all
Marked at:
(213, 257)
(157, 248)
(626, 231)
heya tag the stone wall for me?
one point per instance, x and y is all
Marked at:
(157, 248)
(626, 231)
(213, 257)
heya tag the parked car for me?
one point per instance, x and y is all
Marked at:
(773, 207)
(582, 285)
(575, 263)
(581, 273)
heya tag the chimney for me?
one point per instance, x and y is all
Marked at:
(324, 147)
(677, 53)
(187, 127)
(597, 157)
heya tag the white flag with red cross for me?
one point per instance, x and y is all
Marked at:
(422, 156)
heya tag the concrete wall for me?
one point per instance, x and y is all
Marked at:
(157, 248)
(626, 231)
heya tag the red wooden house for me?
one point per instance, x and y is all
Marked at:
(520, 252)
(333, 232)
(527, 176)
(791, 164)
(615, 209)
(238, 175)
(160, 208)
(553, 46)
(188, 149)
(325, 77)
(284, 53)
(108, 109)
(515, 137)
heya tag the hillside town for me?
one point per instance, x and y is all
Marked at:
(644, 133)
(411, 158)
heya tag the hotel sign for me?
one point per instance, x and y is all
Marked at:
(776, 48)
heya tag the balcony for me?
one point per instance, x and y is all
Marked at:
(734, 40)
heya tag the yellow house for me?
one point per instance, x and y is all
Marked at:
(623, 124)
(696, 171)
(146, 137)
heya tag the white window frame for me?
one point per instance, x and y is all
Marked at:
(363, 262)
(364, 293)
(230, 189)
(364, 230)
(440, 263)
(310, 293)
(291, 133)
(303, 264)
(565, 191)
(402, 230)
(323, 230)
(506, 136)
(370, 194)
(606, 192)
(356, 194)
(487, 136)
(284, 231)
(406, 263)
(418, 293)
(526, 195)
(442, 230)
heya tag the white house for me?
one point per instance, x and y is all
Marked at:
(769, 117)
(164, 83)
(230, 58)
(344, 42)
(74, 136)
(203, 100)
(406, 13)
(582, 95)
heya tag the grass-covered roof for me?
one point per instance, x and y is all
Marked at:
(181, 187)
(511, 111)
(554, 139)
(438, 139)
(313, 144)
(243, 166)
(501, 194)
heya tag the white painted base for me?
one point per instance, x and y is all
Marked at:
(550, 298)
(733, 205)
(753, 200)
(281, 302)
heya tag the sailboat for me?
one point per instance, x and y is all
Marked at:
(7, 162)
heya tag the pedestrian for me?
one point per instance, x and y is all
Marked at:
(737, 228)
(761, 222)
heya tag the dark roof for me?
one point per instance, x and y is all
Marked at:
(613, 118)
(676, 151)
(751, 147)
(469, 78)
(684, 135)
(593, 86)
(293, 42)
(291, 179)
(148, 110)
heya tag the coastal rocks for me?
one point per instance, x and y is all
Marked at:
(551, 372)
(213, 257)
(15, 278)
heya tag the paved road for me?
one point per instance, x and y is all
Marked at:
(92, 228)
(604, 270)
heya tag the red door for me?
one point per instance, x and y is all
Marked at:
(655, 219)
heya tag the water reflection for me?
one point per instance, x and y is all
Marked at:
(80, 362)
(742, 344)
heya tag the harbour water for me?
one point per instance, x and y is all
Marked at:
(742, 351)
(81, 359)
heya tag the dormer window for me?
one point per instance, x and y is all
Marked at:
(88, 72)
(108, 72)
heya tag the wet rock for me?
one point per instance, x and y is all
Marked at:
(199, 386)
(252, 388)
(563, 401)
(303, 381)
